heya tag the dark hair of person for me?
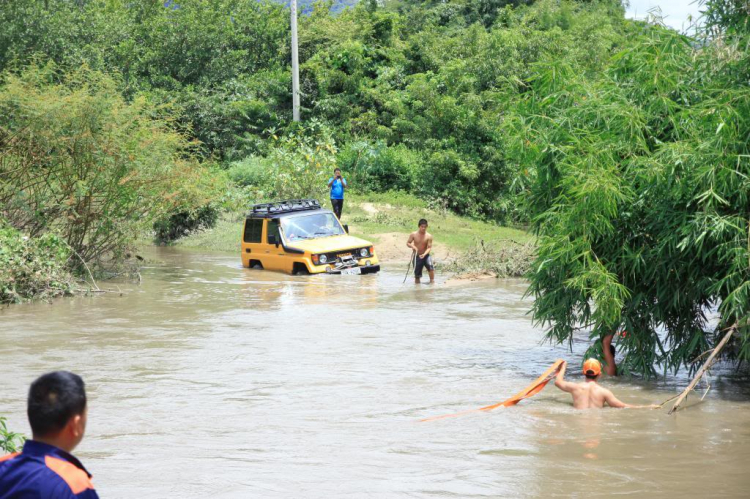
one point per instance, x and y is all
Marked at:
(591, 375)
(54, 398)
(337, 170)
(422, 221)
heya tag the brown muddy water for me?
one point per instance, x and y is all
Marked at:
(210, 380)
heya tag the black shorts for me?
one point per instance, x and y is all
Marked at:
(422, 263)
(338, 205)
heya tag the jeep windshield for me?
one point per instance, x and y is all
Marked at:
(311, 226)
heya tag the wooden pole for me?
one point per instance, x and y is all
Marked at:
(705, 368)
(295, 64)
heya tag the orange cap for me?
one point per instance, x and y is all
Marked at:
(592, 367)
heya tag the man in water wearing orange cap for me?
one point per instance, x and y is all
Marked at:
(589, 395)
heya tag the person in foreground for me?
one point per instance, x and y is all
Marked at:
(421, 243)
(589, 395)
(45, 468)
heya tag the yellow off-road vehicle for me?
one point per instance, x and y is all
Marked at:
(299, 237)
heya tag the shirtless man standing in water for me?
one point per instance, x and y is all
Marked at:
(609, 355)
(421, 242)
(590, 395)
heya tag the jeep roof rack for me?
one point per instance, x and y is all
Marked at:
(287, 206)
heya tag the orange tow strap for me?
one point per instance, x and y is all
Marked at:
(531, 390)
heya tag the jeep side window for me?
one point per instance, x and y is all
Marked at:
(253, 231)
(273, 230)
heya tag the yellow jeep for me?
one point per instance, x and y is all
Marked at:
(299, 237)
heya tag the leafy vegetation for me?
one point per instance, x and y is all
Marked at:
(183, 223)
(641, 197)
(413, 94)
(80, 162)
(9, 441)
(32, 267)
(430, 83)
(623, 144)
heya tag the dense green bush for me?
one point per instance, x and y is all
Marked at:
(253, 171)
(77, 160)
(424, 84)
(32, 267)
(642, 198)
(380, 168)
(216, 61)
(298, 163)
(302, 161)
(181, 224)
(438, 82)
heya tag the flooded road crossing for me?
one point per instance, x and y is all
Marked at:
(213, 380)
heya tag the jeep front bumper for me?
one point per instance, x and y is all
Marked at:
(363, 269)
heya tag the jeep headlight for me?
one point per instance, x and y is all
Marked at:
(323, 259)
(363, 252)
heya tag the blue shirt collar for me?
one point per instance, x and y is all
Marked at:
(34, 448)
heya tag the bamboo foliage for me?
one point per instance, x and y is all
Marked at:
(641, 198)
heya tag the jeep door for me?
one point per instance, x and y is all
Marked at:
(274, 257)
(252, 241)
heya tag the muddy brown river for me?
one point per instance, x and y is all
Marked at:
(210, 380)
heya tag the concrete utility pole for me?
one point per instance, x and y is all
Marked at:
(295, 64)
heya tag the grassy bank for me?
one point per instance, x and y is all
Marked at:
(374, 214)
(387, 219)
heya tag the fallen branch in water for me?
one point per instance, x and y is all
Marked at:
(701, 356)
(84, 264)
(668, 400)
(708, 385)
(496, 258)
(706, 367)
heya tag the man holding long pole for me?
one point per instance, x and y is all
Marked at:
(420, 242)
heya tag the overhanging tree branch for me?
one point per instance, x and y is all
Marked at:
(706, 367)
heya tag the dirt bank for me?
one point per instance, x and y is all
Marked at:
(391, 248)
(459, 279)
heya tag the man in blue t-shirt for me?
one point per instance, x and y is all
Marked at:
(337, 184)
(46, 468)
